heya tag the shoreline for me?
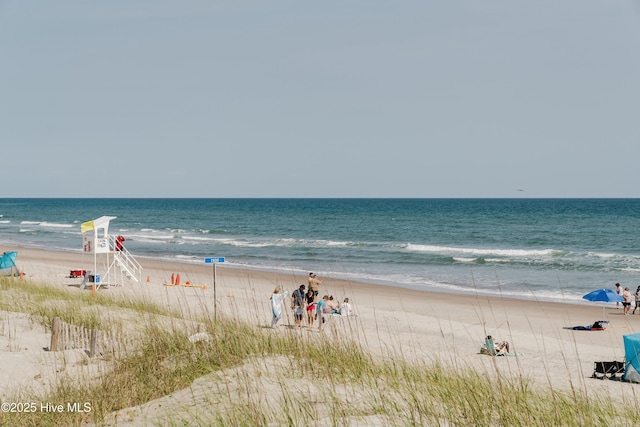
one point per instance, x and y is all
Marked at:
(160, 270)
(194, 265)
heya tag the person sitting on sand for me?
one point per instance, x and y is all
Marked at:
(334, 305)
(345, 308)
(500, 348)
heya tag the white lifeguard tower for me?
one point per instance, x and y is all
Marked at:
(113, 255)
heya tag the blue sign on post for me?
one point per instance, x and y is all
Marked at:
(214, 261)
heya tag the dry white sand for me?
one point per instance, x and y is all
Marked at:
(390, 322)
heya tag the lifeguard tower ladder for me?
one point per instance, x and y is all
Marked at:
(114, 257)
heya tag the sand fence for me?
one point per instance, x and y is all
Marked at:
(95, 342)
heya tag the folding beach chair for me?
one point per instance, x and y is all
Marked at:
(490, 348)
(602, 370)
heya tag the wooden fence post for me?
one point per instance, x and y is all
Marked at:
(92, 346)
(55, 334)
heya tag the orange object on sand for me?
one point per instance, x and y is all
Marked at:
(177, 280)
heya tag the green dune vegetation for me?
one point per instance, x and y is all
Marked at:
(244, 375)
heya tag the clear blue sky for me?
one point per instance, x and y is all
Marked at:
(153, 98)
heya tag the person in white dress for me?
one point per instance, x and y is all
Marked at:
(276, 305)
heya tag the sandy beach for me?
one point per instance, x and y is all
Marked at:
(390, 322)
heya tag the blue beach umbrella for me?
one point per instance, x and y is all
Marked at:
(603, 295)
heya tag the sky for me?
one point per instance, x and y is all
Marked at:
(456, 98)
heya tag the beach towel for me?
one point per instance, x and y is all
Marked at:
(598, 325)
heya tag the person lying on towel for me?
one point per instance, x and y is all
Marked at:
(598, 325)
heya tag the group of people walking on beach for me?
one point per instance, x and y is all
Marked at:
(308, 302)
(627, 298)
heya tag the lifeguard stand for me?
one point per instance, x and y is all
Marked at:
(97, 241)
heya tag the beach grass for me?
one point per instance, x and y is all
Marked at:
(46, 301)
(244, 374)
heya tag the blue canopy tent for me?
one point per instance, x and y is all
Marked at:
(632, 357)
(8, 261)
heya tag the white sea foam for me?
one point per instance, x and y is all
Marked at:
(481, 251)
(261, 244)
(334, 243)
(5, 221)
(460, 259)
(55, 225)
(601, 255)
(46, 224)
(226, 241)
(223, 241)
(247, 244)
(279, 242)
(496, 260)
(150, 237)
(199, 239)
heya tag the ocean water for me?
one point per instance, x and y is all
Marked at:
(546, 249)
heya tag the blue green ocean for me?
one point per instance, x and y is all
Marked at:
(546, 249)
